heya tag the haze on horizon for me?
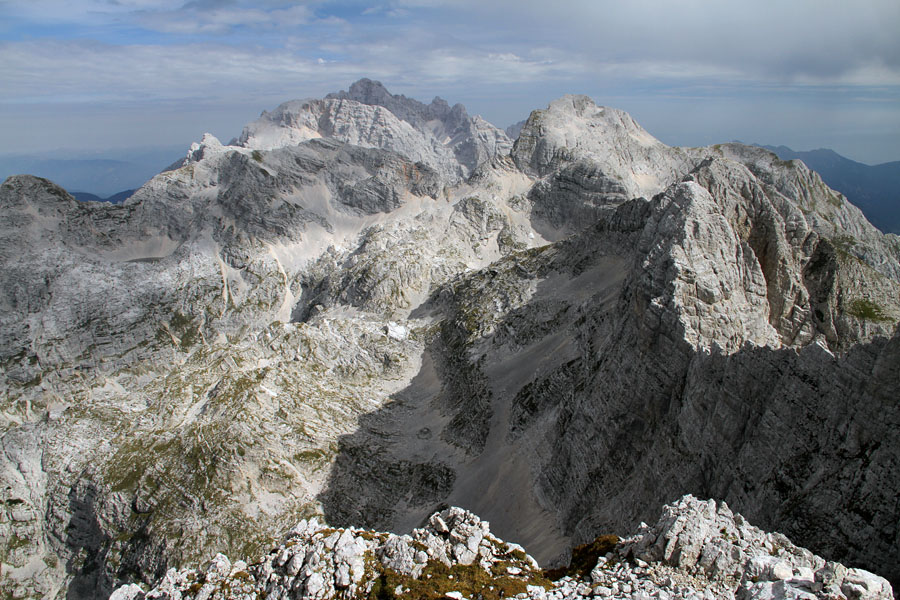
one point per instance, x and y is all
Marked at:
(93, 75)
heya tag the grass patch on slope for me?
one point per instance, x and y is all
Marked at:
(584, 558)
(471, 580)
(865, 309)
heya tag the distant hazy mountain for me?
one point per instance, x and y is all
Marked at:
(874, 189)
(100, 175)
(114, 199)
(87, 197)
(515, 129)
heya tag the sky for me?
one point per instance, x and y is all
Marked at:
(94, 76)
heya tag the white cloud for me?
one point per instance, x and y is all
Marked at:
(82, 12)
(800, 41)
(67, 70)
(267, 51)
(691, 45)
(165, 16)
(766, 39)
(223, 18)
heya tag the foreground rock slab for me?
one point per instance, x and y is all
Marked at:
(696, 550)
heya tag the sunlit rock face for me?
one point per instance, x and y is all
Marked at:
(696, 549)
(365, 309)
(445, 138)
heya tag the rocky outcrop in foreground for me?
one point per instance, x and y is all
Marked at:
(697, 550)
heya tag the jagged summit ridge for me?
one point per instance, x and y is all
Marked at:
(373, 93)
(696, 549)
(445, 138)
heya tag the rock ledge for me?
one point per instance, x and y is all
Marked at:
(697, 550)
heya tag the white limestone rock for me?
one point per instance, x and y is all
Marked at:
(704, 539)
(574, 128)
(697, 550)
(444, 138)
(130, 591)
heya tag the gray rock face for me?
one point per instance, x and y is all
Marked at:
(696, 550)
(362, 310)
(315, 561)
(680, 312)
(472, 140)
(103, 318)
(573, 128)
(712, 552)
(827, 212)
(513, 130)
(445, 138)
(578, 193)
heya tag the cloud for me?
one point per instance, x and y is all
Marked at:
(77, 70)
(511, 55)
(799, 41)
(206, 17)
(205, 47)
(64, 71)
(802, 39)
(803, 42)
(222, 18)
(81, 12)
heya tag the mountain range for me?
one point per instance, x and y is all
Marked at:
(365, 309)
(874, 189)
(114, 199)
(99, 174)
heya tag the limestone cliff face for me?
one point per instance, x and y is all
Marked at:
(151, 371)
(652, 354)
(445, 138)
(573, 129)
(367, 307)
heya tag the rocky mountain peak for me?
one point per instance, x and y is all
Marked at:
(445, 138)
(366, 91)
(574, 128)
(440, 106)
(28, 190)
(208, 145)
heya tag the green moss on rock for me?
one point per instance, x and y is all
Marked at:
(863, 308)
(584, 557)
(471, 580)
